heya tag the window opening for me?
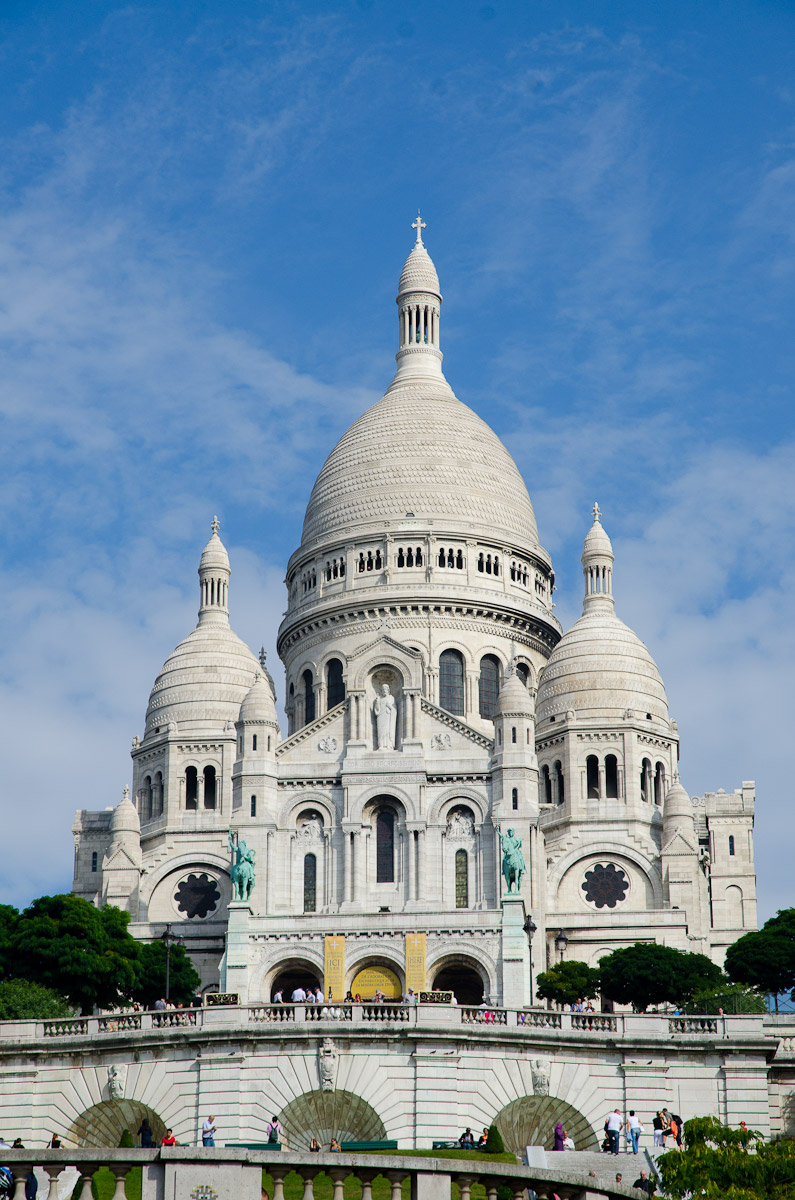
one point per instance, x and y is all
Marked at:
(488, 685)
(731, 845)
(546, 781)
(310, 882)
(560, 782)
(94, 861)
(209, 787)
(335, 684)
(611, 777)
(309, 697)
(451, 682)
(385, 847)
(515, 799)
(461, 879)
(592, 776)
(253, 806)
(253, 741)
(191, 787)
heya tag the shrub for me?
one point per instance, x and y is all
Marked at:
(494, 1142)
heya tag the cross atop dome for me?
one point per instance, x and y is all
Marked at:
(597, 512)
(419, 225)
(215, 525)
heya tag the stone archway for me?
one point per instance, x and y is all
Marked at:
(104, 1124)
(327, 1115)
(292, 974)
(531, 1120)
(461, 977)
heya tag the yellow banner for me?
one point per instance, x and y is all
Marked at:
(415, 962)
(334, 968)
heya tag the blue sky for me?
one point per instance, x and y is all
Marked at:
(203, 214)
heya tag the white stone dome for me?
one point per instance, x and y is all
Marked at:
(214, 556)
(203, 682)
(125, 817)
(419, 273)
(419, 450)
(514, 700)
(601, 668)
(259, 706)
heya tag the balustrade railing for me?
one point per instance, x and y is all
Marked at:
(693, 1024)
(222, 1172)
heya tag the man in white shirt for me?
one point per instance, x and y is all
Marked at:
(299, 995)
(613, 1127)
(208, 1132)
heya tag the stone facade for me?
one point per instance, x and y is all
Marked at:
(433, 705)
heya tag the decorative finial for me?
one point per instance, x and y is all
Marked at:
(126, 792)
(216, 525)
(419, 225)
(262, 657)
(597, 512)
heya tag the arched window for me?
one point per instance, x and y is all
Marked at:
(191, 787)
(94, 860)
(659, 783)
(523, 671)
(253, 741)
(335, 685)
(514, 798)
(461, 879)
(253, 806)
(310, 882)
(645, 779)
(513, 734)
(209, 787)
(309, 697)
(558, 769)
(146, 799)
(592, 776)
(546, 786)
(611, 777)
(451, 682)
(385, 847)
(157, 795)
(731, 845)
(489, 685)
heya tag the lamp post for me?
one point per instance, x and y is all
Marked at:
(561, 942)
(169, 939)
(530, 927)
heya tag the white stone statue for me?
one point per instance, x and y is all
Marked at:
(539, 1068)
(385, 709)
(327, 1056)
(117, 1078)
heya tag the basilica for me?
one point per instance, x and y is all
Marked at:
(462, 793)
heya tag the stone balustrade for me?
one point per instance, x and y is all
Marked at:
(427, 1016)
(183, 1172)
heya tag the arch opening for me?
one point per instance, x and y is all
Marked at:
(463, 980)
(530, 1121)
(103, 1124)
(326, 1115)
(292, 975)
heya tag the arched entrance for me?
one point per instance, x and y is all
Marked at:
(104, 1124)
(292, 975)
(531, 1120)
(374, 977)
(327, 1115)
(462, 979)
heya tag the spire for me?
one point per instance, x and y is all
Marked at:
(419, 301)
(214, 575)
(597, 566)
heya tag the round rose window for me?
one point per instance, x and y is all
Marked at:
(197, 896)
(605, 885)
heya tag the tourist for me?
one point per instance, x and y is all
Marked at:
(358, 998)
(679, 1123)
(634, 1130)
(335, 1146)
(467, 1140)
(314, 1146)
(208, 1132)
(274, 1130)
(349, 997)
(619, 1177)
(560, 1137)
(17, 1144)
(55, 1142)
(643, 1183)
(613, 1127)
(168, 1139)
(657, 1126)
(145, 1134)
(278, 996)
(160, 1005)
(299, 995)
(484, 1137)
(568, 1142)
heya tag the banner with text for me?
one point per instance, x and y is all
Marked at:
(334, 968)
(415, 962)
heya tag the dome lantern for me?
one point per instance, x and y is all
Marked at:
(419, 301)
(214, 572)
(597, 566)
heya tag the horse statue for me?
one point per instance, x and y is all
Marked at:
(242, 873)
(513, 866)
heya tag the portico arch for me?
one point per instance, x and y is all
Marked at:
(292, 973)
(531, 1120)
(103, 1124)
(326, 1115)
(463, 977)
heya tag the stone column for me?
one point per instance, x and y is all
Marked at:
(514, 954)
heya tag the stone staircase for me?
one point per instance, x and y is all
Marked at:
(605, 1166)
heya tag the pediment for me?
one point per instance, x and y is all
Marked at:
(443, 733)
(120, 860)
(321, 740)
(385, 641)
(678, 844)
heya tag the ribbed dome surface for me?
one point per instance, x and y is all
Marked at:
(420, 450)
(204, 681)
(125, 818)
(514, 698)
(258, 704)
(600, 667)
(419, 273)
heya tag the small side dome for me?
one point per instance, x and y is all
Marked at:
(258, 707)
(514, 699)
(125, 818)
(678, 805)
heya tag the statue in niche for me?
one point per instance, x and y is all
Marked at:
(460, 825)
(117, 1078)
(311, 830)
(327, 1056)
(385, 710)
(539, 1068)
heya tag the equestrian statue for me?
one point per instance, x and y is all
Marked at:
(242, 873)
(513, 867)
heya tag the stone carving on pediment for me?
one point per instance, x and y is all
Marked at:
(441, 741)
(310, 830)
(327, 745)
(460, 825)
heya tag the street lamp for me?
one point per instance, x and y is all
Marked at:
(169, 939)
(530, 927)
(561, 942)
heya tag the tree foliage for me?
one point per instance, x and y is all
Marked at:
(23, 1000)
(8, 923)
(766, 960)
(567, 982)
(719, 1163)
(494, 1142)
(647, 973)
(84, 952)
(151, 985)
(733, 998)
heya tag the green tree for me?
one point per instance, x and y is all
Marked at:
(23, 1000)
(733, 998)
(719, 1163)
(84, 952)
(494, 1142)
(647, 973)
(766, 960)
(183, 976)
(8, 923)
(568, 982)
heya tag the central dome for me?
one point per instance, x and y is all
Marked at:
(419, 450)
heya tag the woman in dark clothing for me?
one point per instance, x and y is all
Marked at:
(145, 1134)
